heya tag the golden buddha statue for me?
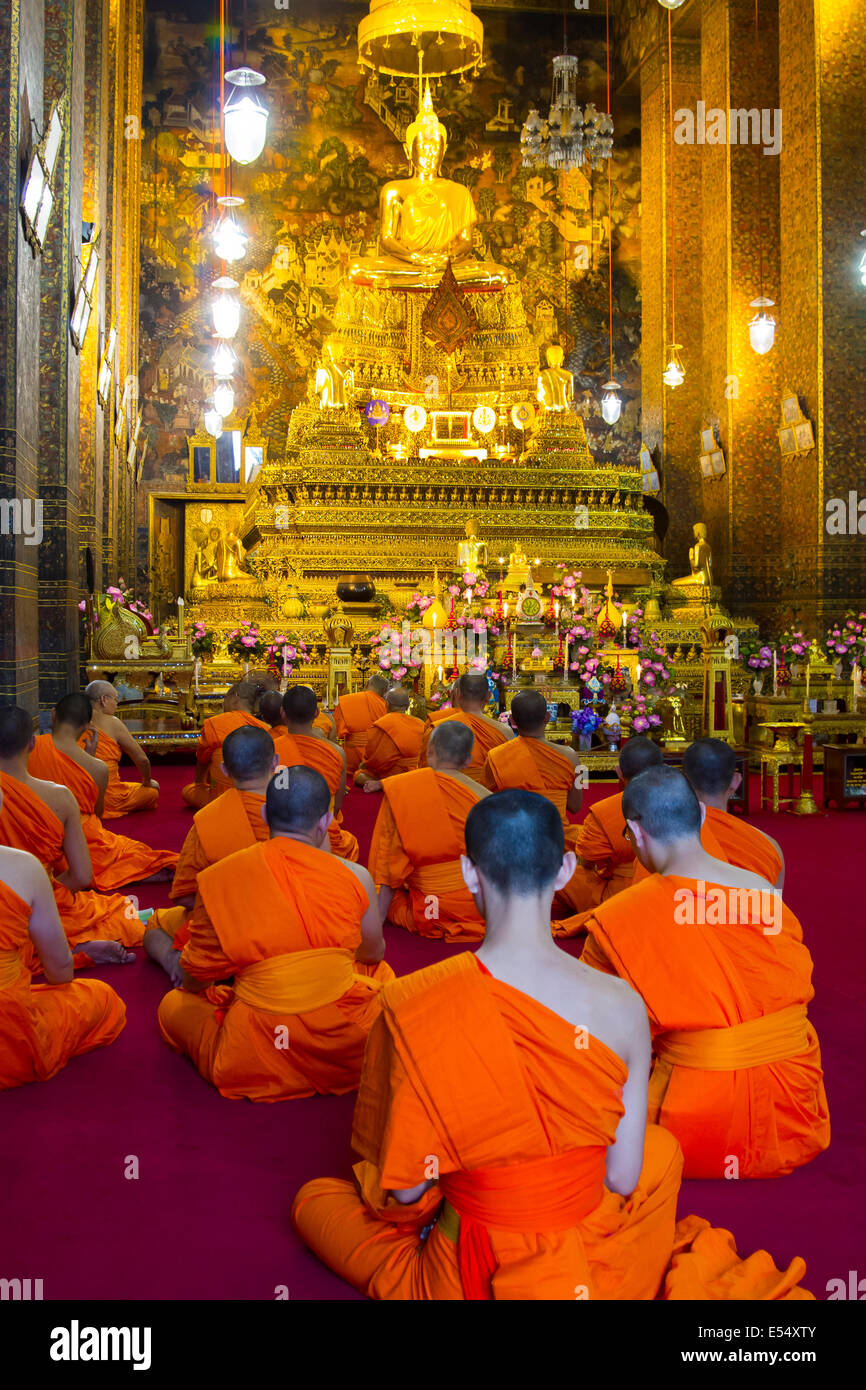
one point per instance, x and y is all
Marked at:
(425, 221)
(555, 384)
(230, 561)
(471, 550)
(333, 386)
(700, 560)
(204, 565)
(518, 569)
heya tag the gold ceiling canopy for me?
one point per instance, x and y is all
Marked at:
(437, 37)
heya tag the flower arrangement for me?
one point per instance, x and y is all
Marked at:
(585, 721)
(284, 654)
(641, 713)
(386, 649)
(654, 669)
(202, 640)
(756, 655)
(118, 595)
(245, 642)
(796, 644)
(846, 640)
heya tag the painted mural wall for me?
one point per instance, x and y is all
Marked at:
(335, 135)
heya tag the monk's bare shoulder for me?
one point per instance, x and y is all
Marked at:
(364, 877)
(618, 1008)
(569, 753)
(21, 872)
(116, 728)
(58, 798)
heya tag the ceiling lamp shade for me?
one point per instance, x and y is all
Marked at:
(213, 422)
(611, 403)
(674, 373)
(762, 328)
(224, 398)
(245, 116)
(230, 243)
(671, 4)
(226, 307)
(395, 34)
(224, 360)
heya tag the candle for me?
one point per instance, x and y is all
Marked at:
(775, 681)
(639, 669)
(556, 612)
(285, 662)
(196, 672)
(180, 607)
(440, 675)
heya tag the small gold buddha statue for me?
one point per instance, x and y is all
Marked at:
(333, 385)
(472, 552)
(518, 568)
(700, 560)
(555, 384)
(230, 561)
(425, 221)
(204, 565)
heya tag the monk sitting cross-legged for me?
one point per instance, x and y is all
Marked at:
(42, 1027)
(418, 840)
(393, 743)
(234, 821)
(471, 694)
(238, 705)
(529, 761)
(43, 819)
(501, 1119)
(299, 932)
(355, 716)
(305, 745)
(711, 767)
(58, 757)
(606, 861)
(121, 798)
(721, 965)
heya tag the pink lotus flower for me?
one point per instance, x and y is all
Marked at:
(469, 578)
(648, 678)
(82, 606)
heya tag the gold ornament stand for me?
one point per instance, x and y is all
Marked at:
(339, 673)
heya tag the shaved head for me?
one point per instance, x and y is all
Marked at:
(379, 684)
(515, 839)
(248, 754)
(271, 708)
(241, 695)
(710, 765)
(398, 698)
(452, 743)
(300, 704)
(637, 754)
(296, 800)
(98, 690)
(529, 712)
(74, 709)
(473, 688)
(16, 731)
(663, 804)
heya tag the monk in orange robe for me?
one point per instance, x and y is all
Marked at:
(471, 694)
(355, 716)
(551, 770)
(298, 931)
(393, 743)
(307, 745)
(58, 757)
(43, 819)
(606, 862)
(327, 724)
(121, 798)
(725, 976)
(271, 714)
(233, 822)
(418, 841)
(238, 706)
(711, 767)
(501, 1120)
(42, 1027)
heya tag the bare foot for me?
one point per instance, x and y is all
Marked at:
(171, 965)
(372, 786)
(106, 952)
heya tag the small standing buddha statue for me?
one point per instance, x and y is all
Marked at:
(555, 383)
(472, 552)
(333, 385)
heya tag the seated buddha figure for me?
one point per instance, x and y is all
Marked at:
(700, 560)
(425, 221)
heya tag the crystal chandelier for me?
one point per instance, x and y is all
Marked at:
(569, 137)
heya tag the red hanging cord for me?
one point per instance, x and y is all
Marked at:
(609, 198)
(760, 156)
(672, 234)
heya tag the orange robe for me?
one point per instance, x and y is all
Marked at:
(284, 920)
(418, 839)
(742, 844)
(326, 724)
(43, 1026)
(209, 751)
(355, 716)
(393, 746)
(737, 1073)
(609, 867)
(223, 827)
(489, 733)
(121, 798)
(538, 767)
(26, 822)
(472, 1082)
(116, 859)
(303, 750)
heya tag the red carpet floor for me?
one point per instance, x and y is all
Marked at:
(208, 1214)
